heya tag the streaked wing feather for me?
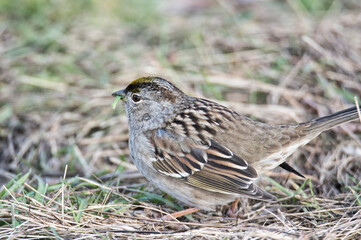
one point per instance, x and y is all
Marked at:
(175, 159)
(207, 166)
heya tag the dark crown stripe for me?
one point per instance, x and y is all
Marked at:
(135, 87)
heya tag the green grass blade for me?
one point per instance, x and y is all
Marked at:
(279, 186)
(14, 184)
(83, 204)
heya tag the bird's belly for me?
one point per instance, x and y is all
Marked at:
(179, 189)
(176, 187)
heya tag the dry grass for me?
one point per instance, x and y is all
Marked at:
(64, 160)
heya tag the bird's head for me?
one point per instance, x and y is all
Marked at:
(150, 101)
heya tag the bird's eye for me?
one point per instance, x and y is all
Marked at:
(136, 98)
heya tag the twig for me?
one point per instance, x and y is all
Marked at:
(62, 192)
(358, 108)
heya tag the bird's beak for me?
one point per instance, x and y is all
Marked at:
(120, 93)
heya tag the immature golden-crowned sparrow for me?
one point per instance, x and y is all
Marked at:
(205, 154)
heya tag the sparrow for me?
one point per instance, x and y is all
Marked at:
(203, 153)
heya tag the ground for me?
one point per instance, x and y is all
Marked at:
(64, 158)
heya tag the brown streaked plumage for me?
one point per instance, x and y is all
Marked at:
(203, 153)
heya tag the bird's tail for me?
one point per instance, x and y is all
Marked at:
(319, 125)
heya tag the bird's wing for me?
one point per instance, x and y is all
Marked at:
(205, 164)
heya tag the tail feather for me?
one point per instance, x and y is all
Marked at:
(324, 123)
(287, 167)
